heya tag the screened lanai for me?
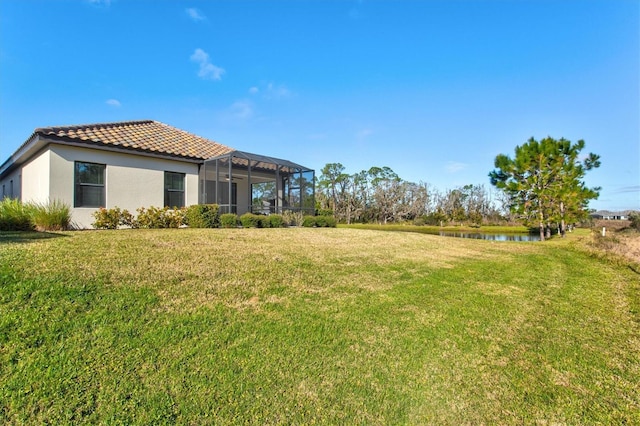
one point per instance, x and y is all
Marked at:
(241, 182)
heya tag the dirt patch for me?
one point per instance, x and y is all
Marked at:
(619, 239)
(631, 246)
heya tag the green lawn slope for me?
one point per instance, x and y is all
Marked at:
(303, 326)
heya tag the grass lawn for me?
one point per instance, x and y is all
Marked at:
(303, 326)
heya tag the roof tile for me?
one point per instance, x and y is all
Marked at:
(146, 135)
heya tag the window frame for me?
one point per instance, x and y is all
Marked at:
(78, 197)
(168, 191)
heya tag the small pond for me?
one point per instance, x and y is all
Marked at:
(491, 237)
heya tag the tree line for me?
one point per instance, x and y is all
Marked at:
(379, 195)
(541, 185)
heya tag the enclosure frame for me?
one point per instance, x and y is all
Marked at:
(228, 179)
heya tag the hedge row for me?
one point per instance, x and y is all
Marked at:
(196, 216)
(201, 216)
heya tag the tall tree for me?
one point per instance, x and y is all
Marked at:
(544, 181)
(386, 192)
(332, 182)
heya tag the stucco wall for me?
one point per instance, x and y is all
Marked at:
(35, 178)
(131, 181)
(10, 186)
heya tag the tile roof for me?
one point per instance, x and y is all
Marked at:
(146, 136)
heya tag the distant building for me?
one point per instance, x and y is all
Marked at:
(607, 215)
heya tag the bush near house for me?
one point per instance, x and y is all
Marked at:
(229, 220)
(275, 221)
(250, 220)
(319, 221)
(112, 218)
(54, 215)
(309, 221)
(293, 218)
(156, 217)
(324, 212)
(203, 216)
(195, 216)
(326, 222)
(14, 216)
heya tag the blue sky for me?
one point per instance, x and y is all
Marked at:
(433, 89)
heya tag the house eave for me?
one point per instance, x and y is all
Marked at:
(127, 150)
(36, 143)
(26, 150)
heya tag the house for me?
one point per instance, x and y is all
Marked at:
(607, 215)
(147, 163)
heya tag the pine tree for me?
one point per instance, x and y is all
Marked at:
(544, 182)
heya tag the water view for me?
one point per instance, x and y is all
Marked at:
(491, 237)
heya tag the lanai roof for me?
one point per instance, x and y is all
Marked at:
(242, 158)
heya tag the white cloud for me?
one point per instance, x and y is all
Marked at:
(454, 167)
(355, 11)
(114, 103)
(363, 133)
(241, 110)
(626, 189)
(105, 3)
(195, 14)
(277, 91)
(207, 70)
(272, 91)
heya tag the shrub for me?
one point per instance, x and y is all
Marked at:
(250, 220)
(324, 212)
(229, 220)
(202, 216)
(14, 216)
(330, 222)
(634, 217)
(175, 218)
(54, 215)
(435, 218)
(149, 218)
(293, 218)
(275, 221)
(309, 221)
(325, 221)
(156, 217)
(475, 218)
(112, 218)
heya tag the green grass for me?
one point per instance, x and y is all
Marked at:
(302, 326)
